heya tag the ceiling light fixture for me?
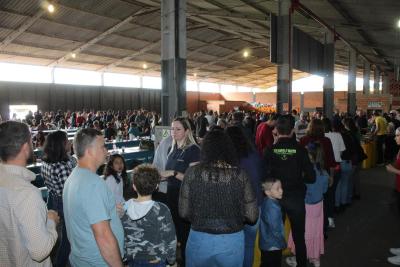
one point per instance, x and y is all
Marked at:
(398, 23)
(144, 66)
(73, 55)
(195, 74)
(50, 8)
(246, 54)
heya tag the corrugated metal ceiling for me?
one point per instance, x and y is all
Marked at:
(242, 23)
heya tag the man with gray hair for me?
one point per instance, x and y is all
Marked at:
(93, 226)
(27, 230)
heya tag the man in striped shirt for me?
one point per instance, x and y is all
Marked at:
(27, 230)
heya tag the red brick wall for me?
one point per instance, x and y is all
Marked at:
(394, 89)
(394, 86)
(266, 98)
(311, 100)
(235, 96)
(196, 101)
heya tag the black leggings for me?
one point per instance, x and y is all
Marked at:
(271, 258)
(182, 227)
(398, 200)
(295, 209)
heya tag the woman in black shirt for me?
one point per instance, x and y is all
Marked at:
(183, 152)
(217, 198)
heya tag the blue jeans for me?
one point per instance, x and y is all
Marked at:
(143, 263)
(55, 202)
(250, 233)
(220, 250)
(342, 190)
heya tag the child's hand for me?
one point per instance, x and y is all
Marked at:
(330, 181)
(120, 210)
(390, 168)
(179, 176)
(53, 215)
(166, 174)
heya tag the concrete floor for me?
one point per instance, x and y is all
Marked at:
(368, 228)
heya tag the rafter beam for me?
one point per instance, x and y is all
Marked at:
(256, 6)
(218, 4)
(213, 74)
(135, 54)
(26, 25)
(101, 36)
(219, 60)
(120, 61)
(215, 42)
(350, 19)
(225, 14)
(223, 28)
(63, 51)
(236, 28)
(151, 46)
(146, 27)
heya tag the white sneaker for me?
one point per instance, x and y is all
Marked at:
(395, 260)
(331, 223)
(291, 261)
(395, 251)
(315, 262)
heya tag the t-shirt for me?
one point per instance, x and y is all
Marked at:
(87, 201)
(337, 144)
(300, 128)
(264, 137)
(329, 157)
(180, 159)
(116, 188)
(382, 124)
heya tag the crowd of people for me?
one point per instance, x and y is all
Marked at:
(215, 182)
(114, 124)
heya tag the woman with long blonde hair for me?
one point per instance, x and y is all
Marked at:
(183, 153)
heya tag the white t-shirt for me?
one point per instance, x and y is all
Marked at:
(300, 129)
(337, 144)
(210, 120)
(116, 188)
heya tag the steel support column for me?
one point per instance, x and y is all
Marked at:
(351, 89)
(385, 83)
(284, 92)
(329, 69)
(366, 78)
(301, 101)
(377, 78)
(173, 56)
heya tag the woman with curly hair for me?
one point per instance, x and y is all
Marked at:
(218, 199)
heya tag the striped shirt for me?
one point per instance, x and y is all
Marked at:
(26, 235)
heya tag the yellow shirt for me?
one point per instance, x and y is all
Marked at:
(381, 123)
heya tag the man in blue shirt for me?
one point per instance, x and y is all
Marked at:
(93, 226)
